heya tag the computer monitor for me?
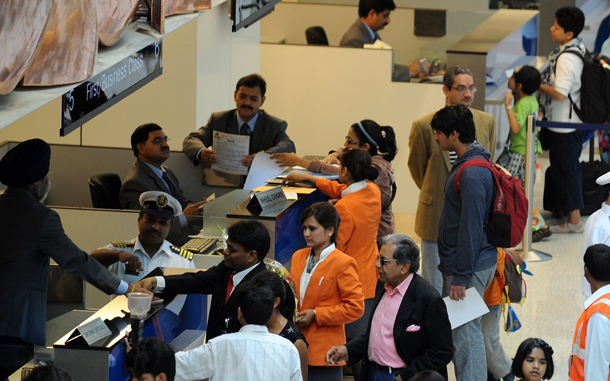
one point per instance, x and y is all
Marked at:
(246, 12)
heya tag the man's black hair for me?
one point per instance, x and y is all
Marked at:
(140, 135)
(251, 235)
(365, 6)
(455, 118)
(255, 302)
(153, 356)
(597, 261)
(48, 373)
(251, 81)
(571, 19)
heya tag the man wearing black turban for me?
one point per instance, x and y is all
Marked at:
(31, 234)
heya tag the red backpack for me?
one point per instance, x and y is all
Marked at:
(507, 219)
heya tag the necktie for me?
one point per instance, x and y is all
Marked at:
(245, 129)
(229, 287)
(170, 185)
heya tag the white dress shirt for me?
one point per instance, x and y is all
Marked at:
(306, 276)
(597, 230)
(251, 354)
(597, 348)
(164, 257)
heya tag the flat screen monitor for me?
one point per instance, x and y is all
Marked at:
(246, 12)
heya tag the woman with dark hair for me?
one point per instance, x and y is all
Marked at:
(359, 207)
(327, 287)
(380, 143)
(281, 321)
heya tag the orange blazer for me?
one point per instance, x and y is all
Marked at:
(336, 293)
(360, 214)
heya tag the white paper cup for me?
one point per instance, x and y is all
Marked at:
(139, 304)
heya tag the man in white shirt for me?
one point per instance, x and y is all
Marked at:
(251, 354)
(133, 259)
(591, 347)
(597, 227)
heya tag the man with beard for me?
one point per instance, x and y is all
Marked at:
(31, 235)
(267, 133)
(247, 245)
(133, 259)
(149, 145)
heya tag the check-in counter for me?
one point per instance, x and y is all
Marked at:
(284, 225)
(103, 359)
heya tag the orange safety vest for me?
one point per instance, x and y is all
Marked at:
(577, 361)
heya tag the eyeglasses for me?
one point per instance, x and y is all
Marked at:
(159, 141)
(383, 260)
(462, 89)
(352, 142)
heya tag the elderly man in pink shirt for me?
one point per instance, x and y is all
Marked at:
(409, 330)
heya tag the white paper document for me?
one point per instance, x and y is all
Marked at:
(262, 169)
(230, 150)
(465, 310)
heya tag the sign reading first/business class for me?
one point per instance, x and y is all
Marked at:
(98, 93)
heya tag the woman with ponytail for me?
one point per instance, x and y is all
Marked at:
(380, 143)
(359, 206)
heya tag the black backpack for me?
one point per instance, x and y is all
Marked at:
(595, 88)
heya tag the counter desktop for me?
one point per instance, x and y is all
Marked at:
(103, 360)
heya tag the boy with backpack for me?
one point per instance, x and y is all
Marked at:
(560, 83)
(524, 82)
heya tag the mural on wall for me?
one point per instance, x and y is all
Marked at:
(55, 42)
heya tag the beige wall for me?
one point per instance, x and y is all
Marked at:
(290, 20)
(327, 89)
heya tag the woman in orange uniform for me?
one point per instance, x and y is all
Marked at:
(359, 207)
(327, 287)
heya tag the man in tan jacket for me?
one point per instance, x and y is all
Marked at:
(430, 166)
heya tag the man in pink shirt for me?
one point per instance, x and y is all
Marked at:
(409, 330)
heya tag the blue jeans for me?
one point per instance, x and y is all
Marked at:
(377, 375)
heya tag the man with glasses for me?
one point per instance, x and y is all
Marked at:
(149, 145)
(430, 166)
(409, 330)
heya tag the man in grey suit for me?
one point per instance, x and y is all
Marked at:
(31, 235)
(149, 145)
(373, 15)
(430, 166)
(267, 133)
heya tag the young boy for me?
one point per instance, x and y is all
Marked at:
(524, 82)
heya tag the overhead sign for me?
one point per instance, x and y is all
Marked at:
(105, 89)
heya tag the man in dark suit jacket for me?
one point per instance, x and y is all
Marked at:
(31, 235)
(149, 145)
(408, 308)
(374, 15)
(247, 246)
(267, 133)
